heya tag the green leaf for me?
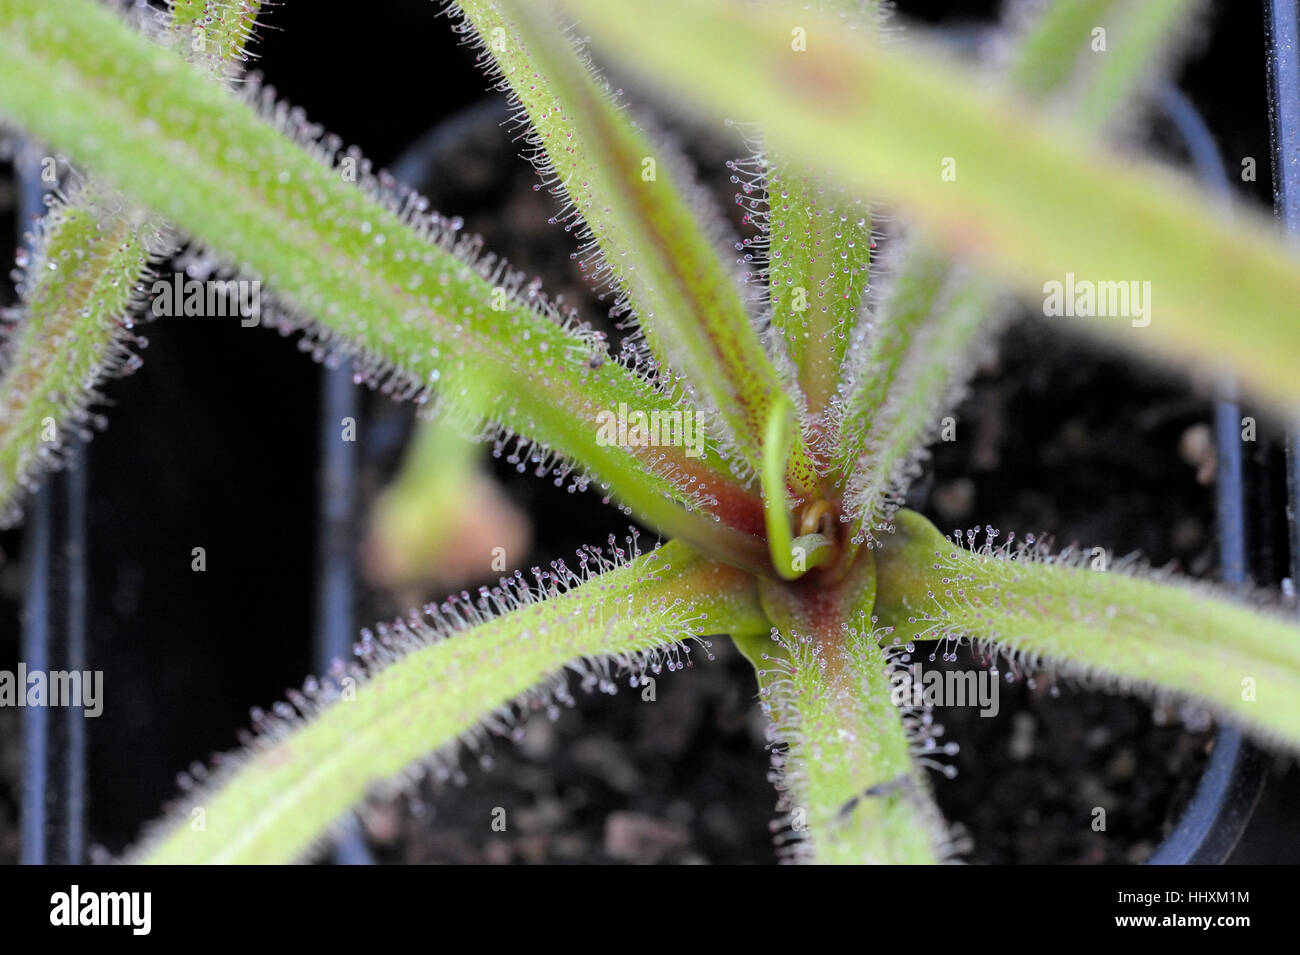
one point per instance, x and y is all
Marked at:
(87, 270)
(1055, 44)
(215, 33)
(930, 373)
(851, 790)
(1082, 614)
(912, 297)
(643, 236)
(445, 679)
(911, 369)
(814, 250)
(1140, 40)
(69, 333)
(1034, 200)
(382, 279)
(818, 263)
(791, 556)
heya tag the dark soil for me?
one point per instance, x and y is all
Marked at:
(213, 443)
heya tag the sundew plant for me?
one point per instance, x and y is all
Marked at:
(764, 414)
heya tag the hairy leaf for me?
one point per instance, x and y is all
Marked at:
(81, 280)
(216, 32)
(444, 679)
(1033, 199)
(931, 371)
(1082, 614)
(89, 262)
(851, 789)
(815, 249)
(817, 244)
(384, 280)
(910, 367)
(642, 234)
